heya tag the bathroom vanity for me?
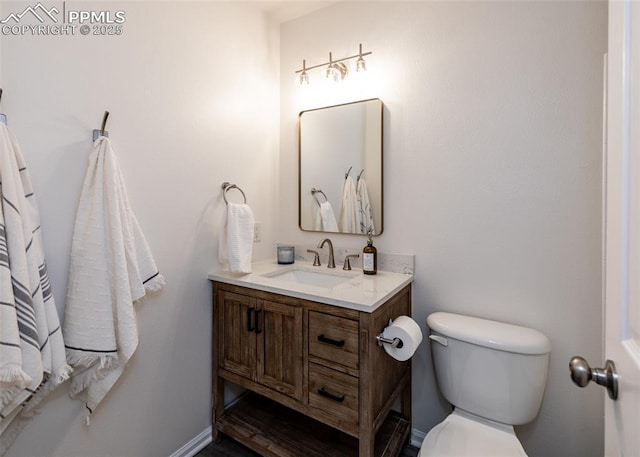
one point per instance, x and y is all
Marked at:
(302, 341)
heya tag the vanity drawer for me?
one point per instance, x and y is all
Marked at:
(334, 339)
(336, 394)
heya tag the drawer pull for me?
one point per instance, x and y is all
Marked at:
(327, 394)
(249, 320)
(324, 339)
(258, 329)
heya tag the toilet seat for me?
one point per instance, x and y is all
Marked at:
(465, 435)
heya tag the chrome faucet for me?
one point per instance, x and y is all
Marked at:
(332, 262)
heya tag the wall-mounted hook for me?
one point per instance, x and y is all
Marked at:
(3, 117)
(346, 175)
(102, 132)
(104, 122)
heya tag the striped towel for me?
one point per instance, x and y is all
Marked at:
(364, 207)
(111, 267)
(32, 356)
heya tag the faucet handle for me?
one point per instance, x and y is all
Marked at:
(316, 258)
(347, 263)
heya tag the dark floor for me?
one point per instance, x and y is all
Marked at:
(230, 448)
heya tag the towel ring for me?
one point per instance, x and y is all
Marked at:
(315, 191)
(226, 186)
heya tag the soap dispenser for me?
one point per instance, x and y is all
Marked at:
(369, 258)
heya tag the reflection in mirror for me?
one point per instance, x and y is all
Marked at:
(340, 181)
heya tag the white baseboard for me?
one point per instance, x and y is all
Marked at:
(202, 440)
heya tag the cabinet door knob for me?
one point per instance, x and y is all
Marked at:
(335, 397)
(324, 339)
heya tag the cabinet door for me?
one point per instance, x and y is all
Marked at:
(279, 355)
(237, 330)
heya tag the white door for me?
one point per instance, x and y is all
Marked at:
(622, 228)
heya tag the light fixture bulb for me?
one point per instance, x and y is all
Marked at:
(330, 72)
(304, 77)
(361, 65)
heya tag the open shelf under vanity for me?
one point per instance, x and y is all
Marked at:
(271, 429)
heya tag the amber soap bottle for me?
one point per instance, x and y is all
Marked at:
(369, 258)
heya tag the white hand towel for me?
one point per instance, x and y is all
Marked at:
(32, 356)
(235, 244)
(364, 208)
(111, 267)
(349, 215)
(316, 216)
(328, 218)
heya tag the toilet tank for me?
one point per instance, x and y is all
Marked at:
(491, 369)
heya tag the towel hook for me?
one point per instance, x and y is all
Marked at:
(346, 175)
(102, 132)
(3, 117)
(360, 174)
(104, 122)
(226, 186)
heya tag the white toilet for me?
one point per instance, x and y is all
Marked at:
(494, 375)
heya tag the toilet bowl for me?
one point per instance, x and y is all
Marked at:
(461, 435)
(494, 375)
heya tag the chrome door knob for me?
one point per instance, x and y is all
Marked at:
(582, 374)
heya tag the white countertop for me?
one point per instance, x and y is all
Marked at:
(359, 291)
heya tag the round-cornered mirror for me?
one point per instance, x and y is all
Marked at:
(340, 168)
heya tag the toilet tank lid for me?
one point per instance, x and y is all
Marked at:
(491, 334)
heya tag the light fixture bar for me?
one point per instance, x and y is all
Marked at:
(334, 61)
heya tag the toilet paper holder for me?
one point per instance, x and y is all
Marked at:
(395, 342)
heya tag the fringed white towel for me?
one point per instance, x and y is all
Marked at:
(111, 267)
(364, 208)
(235, 243)
(349, 216)
(32, 356)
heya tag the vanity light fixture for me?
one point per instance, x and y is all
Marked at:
(336, 70)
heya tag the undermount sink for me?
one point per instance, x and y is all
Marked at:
(310, 277)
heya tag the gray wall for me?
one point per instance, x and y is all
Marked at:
(190, 87)
(492, 178)
(492, 173)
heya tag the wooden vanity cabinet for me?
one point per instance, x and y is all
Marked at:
(319, 361)
(262, 341)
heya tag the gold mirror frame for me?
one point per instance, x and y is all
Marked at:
(335, 142)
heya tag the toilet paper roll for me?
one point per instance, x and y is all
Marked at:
(409, 332)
